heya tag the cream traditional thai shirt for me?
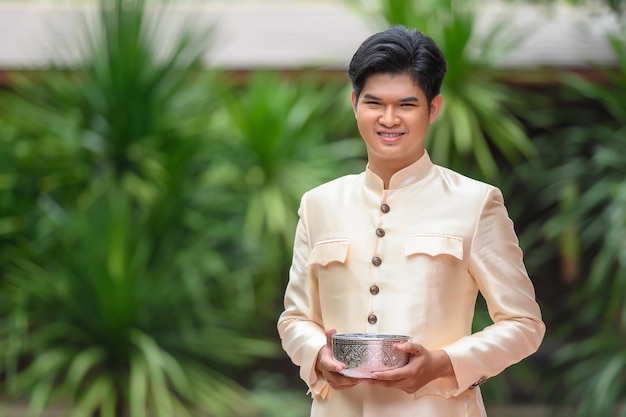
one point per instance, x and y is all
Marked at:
(411, 260)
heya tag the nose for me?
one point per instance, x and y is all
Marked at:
(388, 117)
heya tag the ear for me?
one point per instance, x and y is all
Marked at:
(353, 99)
(435, 107)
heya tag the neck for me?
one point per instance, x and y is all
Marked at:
(386, 171)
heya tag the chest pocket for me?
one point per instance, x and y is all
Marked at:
(434, 245)
(326, 252)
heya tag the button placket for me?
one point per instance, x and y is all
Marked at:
(374, 289)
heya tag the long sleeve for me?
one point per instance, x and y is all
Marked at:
(300, 325)
(497, 266)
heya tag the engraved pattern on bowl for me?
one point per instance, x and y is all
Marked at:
(364, 353)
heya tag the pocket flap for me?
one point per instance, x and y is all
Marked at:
(434, 245)
(327, 251)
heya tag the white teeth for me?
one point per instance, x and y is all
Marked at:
(389, 135)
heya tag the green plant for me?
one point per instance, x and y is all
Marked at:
(116, 321)
(475, 126)
(579, 220)
(286, 137)
(280, 138)
(12, 204)
(270, 389)
(127, 270)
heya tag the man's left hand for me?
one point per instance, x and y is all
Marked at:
(424, 366)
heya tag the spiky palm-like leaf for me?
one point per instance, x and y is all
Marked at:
(579, 220)
(118, 298)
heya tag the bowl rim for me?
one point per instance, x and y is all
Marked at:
(370, 336)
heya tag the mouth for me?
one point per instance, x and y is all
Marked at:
(390, 137)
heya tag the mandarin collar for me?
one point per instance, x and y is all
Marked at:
(406, 176)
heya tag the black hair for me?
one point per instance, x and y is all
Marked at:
(399, 50)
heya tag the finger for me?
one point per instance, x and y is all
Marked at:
(409, 347)
(329, 336)
(338, 380)
(386, 376)
(328, 362)
(333, 364)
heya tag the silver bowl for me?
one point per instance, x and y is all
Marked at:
(364, 353)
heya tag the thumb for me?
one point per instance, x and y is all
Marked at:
(329, 336)
(410, 347)
(334, 364)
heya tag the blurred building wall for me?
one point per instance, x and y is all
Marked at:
(297, 34)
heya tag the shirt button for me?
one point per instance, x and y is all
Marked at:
(374, 289)
(380, 232)
(385, 208)
(372, 319)
(376, 261)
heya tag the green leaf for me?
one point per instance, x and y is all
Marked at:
(81, 365)
(138, 389)
(100, 391)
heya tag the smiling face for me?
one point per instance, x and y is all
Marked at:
(393, 117)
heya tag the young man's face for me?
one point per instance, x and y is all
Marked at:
(393, 117)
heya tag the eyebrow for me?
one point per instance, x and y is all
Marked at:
(411, 99)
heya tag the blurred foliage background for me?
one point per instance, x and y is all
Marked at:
(147, 207)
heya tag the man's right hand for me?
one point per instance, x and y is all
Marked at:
(329, 367)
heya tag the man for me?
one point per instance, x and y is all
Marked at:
(404, 248)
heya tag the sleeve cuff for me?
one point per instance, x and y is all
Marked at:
(318, 386)
(443, 387)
